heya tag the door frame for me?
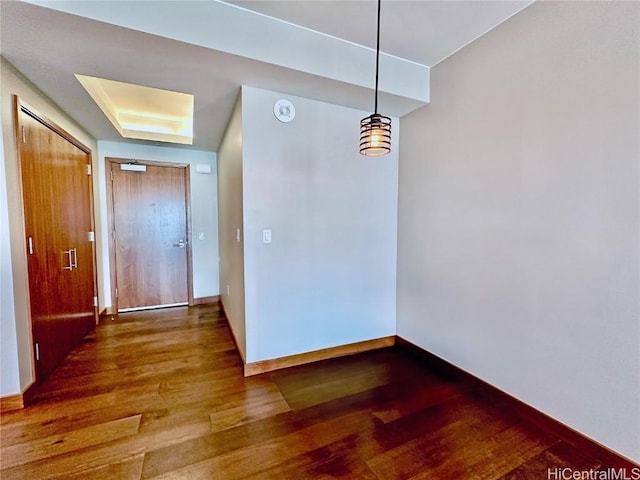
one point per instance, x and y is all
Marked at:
(110, 161)
(20, 106)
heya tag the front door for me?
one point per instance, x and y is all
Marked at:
(149, 219)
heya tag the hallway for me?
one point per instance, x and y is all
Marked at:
(160, 394)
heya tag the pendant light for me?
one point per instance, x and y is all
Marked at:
(375, 130)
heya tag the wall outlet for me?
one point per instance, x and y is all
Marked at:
(201, 236)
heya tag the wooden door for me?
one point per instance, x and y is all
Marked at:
(57, 196)
(150, 231)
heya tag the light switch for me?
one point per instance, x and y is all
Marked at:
(237, 235)
(266, 236)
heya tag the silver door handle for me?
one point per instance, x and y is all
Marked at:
(68, 254)
(180, 244)
(72, 257)
(75, 258)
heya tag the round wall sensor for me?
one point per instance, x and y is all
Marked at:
(284, 110)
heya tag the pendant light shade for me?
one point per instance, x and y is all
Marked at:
(375, 130)
(375, 135)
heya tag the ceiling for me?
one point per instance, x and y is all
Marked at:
(48, 44)
(423, 31)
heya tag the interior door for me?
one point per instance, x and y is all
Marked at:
(149, 217)
(57, 196)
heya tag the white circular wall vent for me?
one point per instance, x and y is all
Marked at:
(284, 110)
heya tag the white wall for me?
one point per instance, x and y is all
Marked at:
(519, 220)
(329, 276)
(230, 221)
(9, 380)
(15, 316)
(204, 210)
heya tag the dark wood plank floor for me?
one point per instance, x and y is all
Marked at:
(160, 395)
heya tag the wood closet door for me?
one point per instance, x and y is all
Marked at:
(60, 256)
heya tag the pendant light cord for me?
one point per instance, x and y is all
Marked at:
(377, 59)
(375, 130)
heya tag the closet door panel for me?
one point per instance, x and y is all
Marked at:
(57, 206)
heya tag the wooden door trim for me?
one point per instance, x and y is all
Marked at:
(187, 200)
(108, 161)
(21, 106)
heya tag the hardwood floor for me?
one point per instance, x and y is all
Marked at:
(160, 395)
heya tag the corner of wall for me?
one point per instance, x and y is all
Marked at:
(231, 227)
(14, 83)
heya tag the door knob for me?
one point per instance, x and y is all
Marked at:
(181, 244)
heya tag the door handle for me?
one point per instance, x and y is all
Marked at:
(68, 254)
(72, 257)
(75, 258)
(181, 243)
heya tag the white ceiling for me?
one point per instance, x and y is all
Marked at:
(49, 46)
(423, 31)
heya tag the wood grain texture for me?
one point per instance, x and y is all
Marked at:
(264, 366)
(128, 469)
(149, 213)
(11, 402)
(533, 416)
(205, 300)
(58, 215)
(18, 401)
(161, 395)
(76, 439)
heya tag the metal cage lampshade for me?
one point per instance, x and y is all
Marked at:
(375, 135)
(375, 130)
